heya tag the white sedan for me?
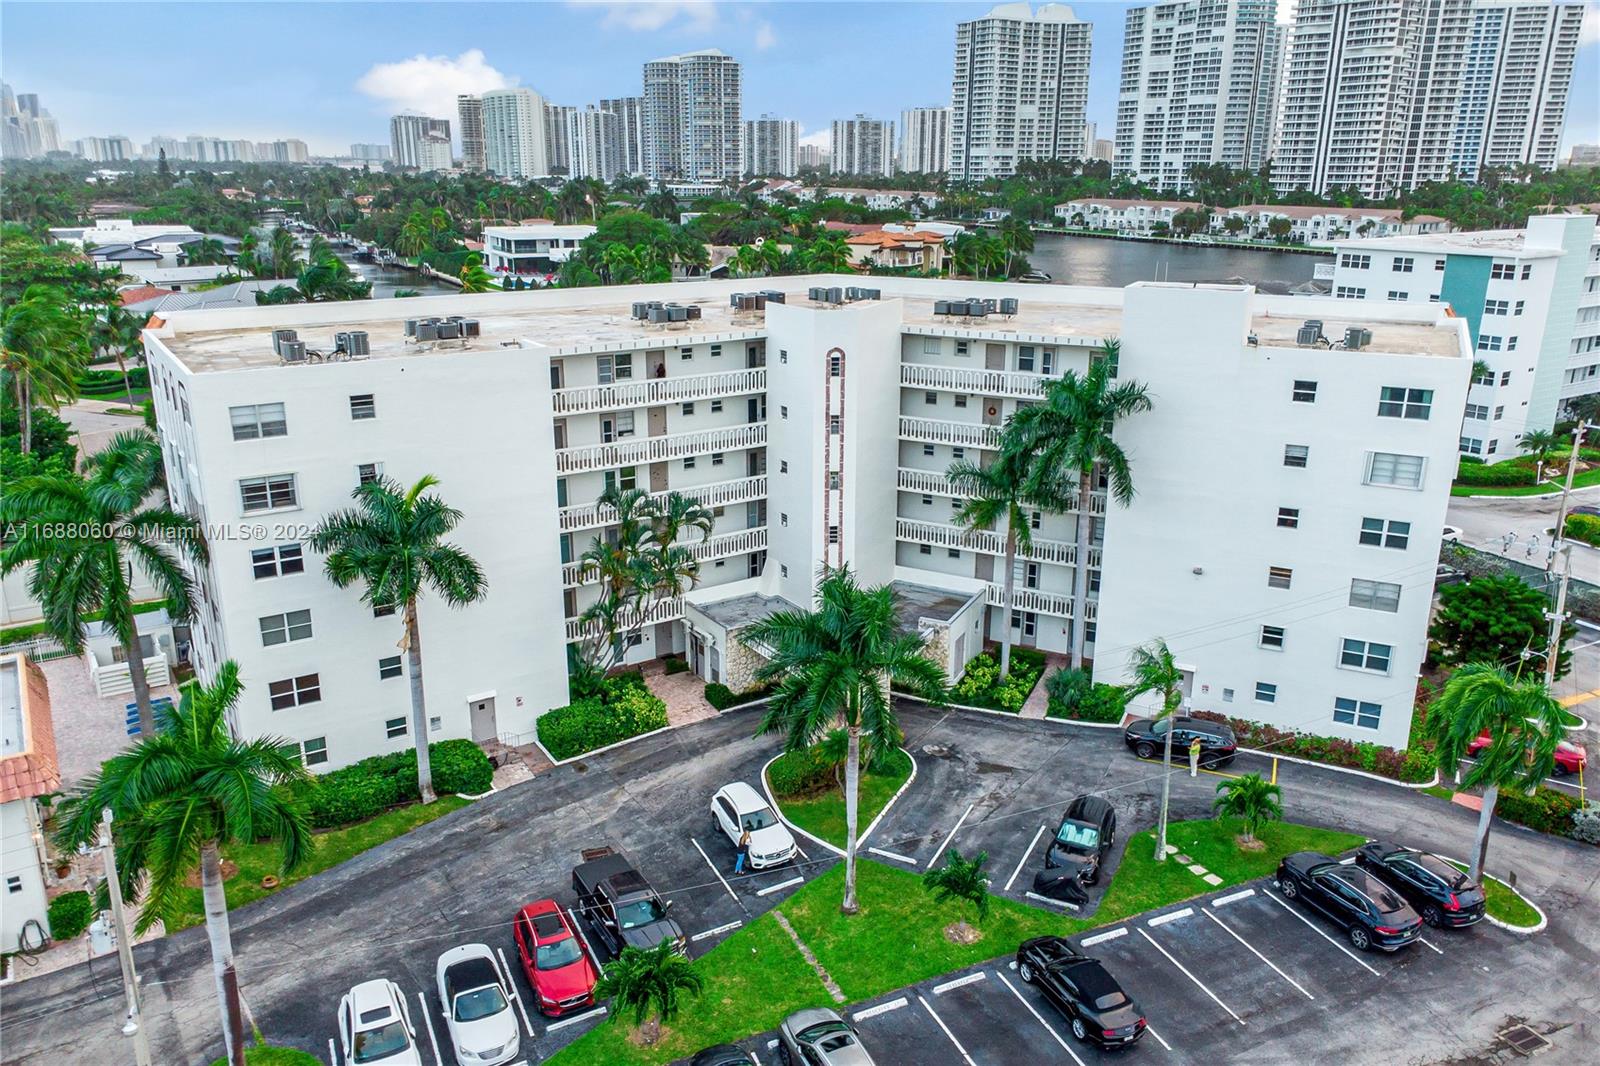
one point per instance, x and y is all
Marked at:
(476, 996)
(737, 809)
(375, 1025)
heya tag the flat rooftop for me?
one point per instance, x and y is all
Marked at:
(916, 602)
(739, 611)
(1508, 242)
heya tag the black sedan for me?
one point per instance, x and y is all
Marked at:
(1445, 896)
(723, 1055)
(1084, 838)
(1097, 1009)
(1370, 912)
(1147, 737)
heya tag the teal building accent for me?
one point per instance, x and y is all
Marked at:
(1466, 282)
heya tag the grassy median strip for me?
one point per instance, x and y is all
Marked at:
(261, 1055)
(1503, 902)
(333, 847)
(823, 815)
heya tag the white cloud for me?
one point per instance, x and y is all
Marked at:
(765, 37)
(821, 138)
(700, 15)
(430, 84)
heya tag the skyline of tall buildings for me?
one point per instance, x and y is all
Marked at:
(861, 145)
(771, 147)
(469, 116)
(421, 142)
(924, 140)
(692, 116)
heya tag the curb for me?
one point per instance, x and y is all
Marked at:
(1518, 930)
(1346, 770)
(1583, 723)
(898, 793)
(596, 751)
(862, 839)
(1015, 717)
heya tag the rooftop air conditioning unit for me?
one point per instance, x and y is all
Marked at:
(758, 300)
(1308, 334)
(816, 295)
(678, 314)
(835, 295)
(872, 294)
(774, 296)
(694, 311)
(1008, 306)
(977, 309)
(360, 343)
(1357, 337)
(411, 327)
(734, 301)
(427, 331)
(658, 315)
(941, 307)
(449, 331)
(281, 335)
(291, 351)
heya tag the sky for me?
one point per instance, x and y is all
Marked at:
(331, 74)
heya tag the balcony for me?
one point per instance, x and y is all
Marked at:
(934, 483)
(957, 434)
(1036, 601)
(1015, 384)
(739, 542)
(717, 494)
(659, 449)
(665, 611)
(654, 391)
(989, 541)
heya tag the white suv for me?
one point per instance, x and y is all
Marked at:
(737, 808)
(375, 1025)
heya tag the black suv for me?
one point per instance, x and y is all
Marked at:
(1097, 1008)
(1371, 913)
(1083, 839)
(1148, 736)
(1445, 896)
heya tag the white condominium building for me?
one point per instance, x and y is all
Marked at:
(514, 140)
(420, 142)
(1020, 90)
(557, 137)
(861, 145)
(594, 143)
(630, 117)
(692, 117)
(1283, 538)
(1530, 299)
(770, 146)
(924, 140)
(469, 114)
(1200, 81)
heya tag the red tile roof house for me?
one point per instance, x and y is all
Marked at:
(28, 770)
(910, 251)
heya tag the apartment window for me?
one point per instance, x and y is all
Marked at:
(1499, 413)
(1403, 264)
(435, 723)
(1227, 695)
(294, 691)
(13, 884)
(609, 368)
(268, 493)
(927, 449)
(1350, 292)
(1356, 712)
(363, 407)
(1496, 307)
(954, 553)
(784, 569)
(1438, 264)
(961, 347)
(833, 534)
(1289, 517)
(276, 562)
(1271, 636)
(783, 356)
(1025, 357)
(783, 518)
(388, 666)
(688, 409)
(1396, 402)
(1519, 306)
(1489, 342)
(1296, 454)
(1365, 655)
(716, 407)
(1478, 412)
(835, 365)
(395, 727)
(927, 501)
(961, 400)
(313, 752)
(925, 549)
(255, 421)
(1502, 271)
(1304, 392)
(366, 473)
(1493, 447)
(1527, 271)
(932, 346)
(688, 462)
(282, 628)
(1374, 595)
(716, 351)
(1351, 261)
(1388, 468)
(783, 466)
(1398, 296)
(1470, 446)
(1266, 692)
(1385, 533)
(958, 453)
(383, 610)
(1511, 345)
(1279, 577)
(931, 398)
(1505, 378)
(685, 353)
(833, 424)
(716, 460)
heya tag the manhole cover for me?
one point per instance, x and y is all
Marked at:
(1523, 1041)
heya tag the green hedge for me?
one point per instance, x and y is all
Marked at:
(676, 666)
(1510, 472)
(722, 697)
(626, 708)
(980, 684)
(101, 382)
(370, 787)
(1584, 527)
(796, 773)
(1074, 696)
(1414, 764)
(1547, 810)
(70, 914)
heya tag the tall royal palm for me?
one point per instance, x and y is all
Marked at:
(392, 541)
(177, 798)
(834, 666)
(44, 343)
(84, 533)
(1524, 725)
(1153, 669)
(1070, 436)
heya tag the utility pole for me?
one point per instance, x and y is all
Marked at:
(1566, 491)
(1558, 616)
(134, 1026)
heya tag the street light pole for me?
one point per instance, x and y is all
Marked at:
(1558, 616)
(134, 1026)
(1566, 491)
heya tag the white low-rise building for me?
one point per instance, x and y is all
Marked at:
(1321, 225)
(1283, 538)
(531, 249)
(28, 770)
(1140, 218)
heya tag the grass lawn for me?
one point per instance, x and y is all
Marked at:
(333, 847)
(259, 1055)
(1571, 720)
(823, 815)
(1582, 480)
(1503, 903)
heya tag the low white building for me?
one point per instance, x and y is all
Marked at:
(531, 249)
(1139, 218)
(1283, 538)
(28, 770)
(1321, 225)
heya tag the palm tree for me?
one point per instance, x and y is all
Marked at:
(997, 494)
(1540, 443)
(473, 277)
(833, 666)
(84, 533)
(1070, 435)
(285, 254)
(1015, 236)
(43, 346)
(1523, 723)
(414, 238)
(116, 332)
(1252, 800)
(961, 878)
(393, 542)
(1153, 669)
(828, 254)
(177, 798)
(649, 981)
(205, 252)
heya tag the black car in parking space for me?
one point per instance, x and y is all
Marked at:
(1445, 896)
(1084, 838)
(723, 1055)
(1098, 1011)
(1148, 736)
(1370, 912)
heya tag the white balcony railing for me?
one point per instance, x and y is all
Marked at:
(934, 483)
(716, 494)
(1038, 601)
(652, 391)
(665, 611)
(959, 434)
(113, 679)
(738, 542)
(986, 540)
(658, 449)
(1016, 384)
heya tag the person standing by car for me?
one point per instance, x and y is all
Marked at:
(744, 852)
(1194, 757)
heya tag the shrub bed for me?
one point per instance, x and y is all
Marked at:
(1415, 765)
(625, 708)
(1511, 472)
(1584, 527)
(1075, 697)
(795, 773)
(722, 697)
(1547, 810)
(100, 382)
(372, 786)
(676, 666)
(980, 685)
(69, 915)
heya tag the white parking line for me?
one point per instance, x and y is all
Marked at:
(716, 872)
(1152, 1031)
(1040, 1019)
(970, 979)
(1233, 897)
(947, 842)
(1251, 948)
(516, 993)
(770, 889)
(427, 1016)
(1191, 977)
(1430, 946)
(574, 1020)
(1031, 844)
(802, 851)
(1163, 919)
(882, 1008)
(964, 1056)
(1319, 932)
(1101, 938)
(333, 1055)
(895, 855)
(1052, 902)
(713, 932)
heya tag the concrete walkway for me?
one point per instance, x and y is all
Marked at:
(89, 729)
(1039, 698)
(683, 693)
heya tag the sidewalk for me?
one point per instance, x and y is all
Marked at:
(1039, 698)
(683, 693)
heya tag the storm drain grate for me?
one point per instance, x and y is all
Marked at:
(1524, 1041)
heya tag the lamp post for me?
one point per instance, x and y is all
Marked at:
(134, 1026)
